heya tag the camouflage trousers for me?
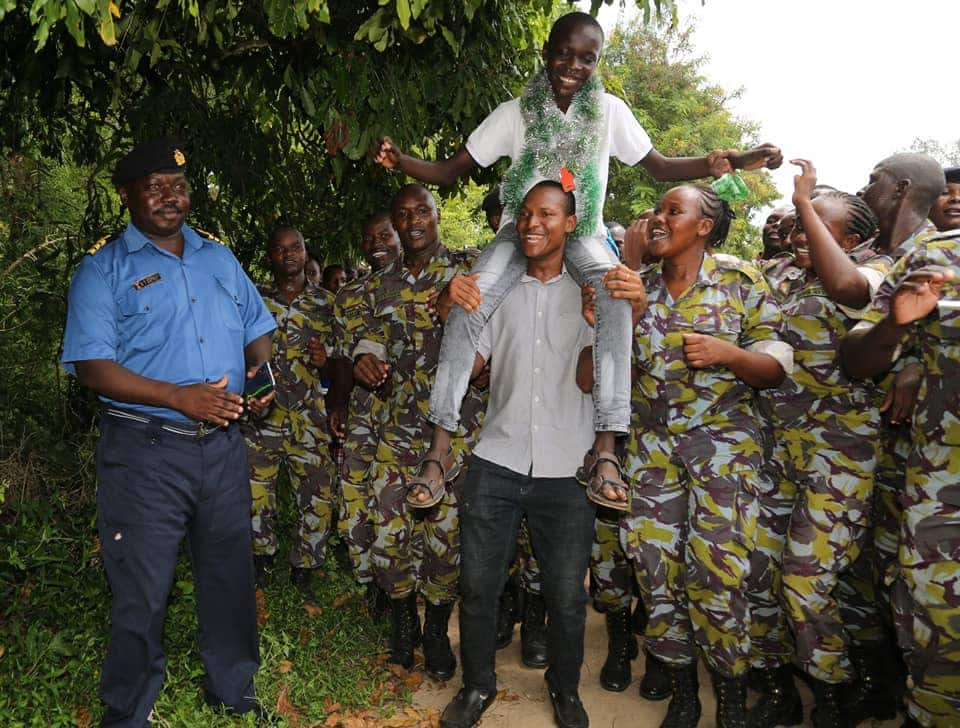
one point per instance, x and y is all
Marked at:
(864, 590)
(413, 550)
(291, 438)
(834, 458)
(356, 526)
(611, 571)
(771, 644)
(689, 535)
(926, 587)
(524, 567)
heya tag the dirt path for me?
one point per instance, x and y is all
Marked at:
(524, 704)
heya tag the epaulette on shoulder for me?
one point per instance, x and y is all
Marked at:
(208, 236)
(102, 241)
(732, 262)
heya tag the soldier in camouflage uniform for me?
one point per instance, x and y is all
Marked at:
(293, 431)
(900, 191)
(399, 342)
(356, 414)
(710, 334)
(825, 429)
(917, 306)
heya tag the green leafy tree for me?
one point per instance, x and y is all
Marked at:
(655, 70)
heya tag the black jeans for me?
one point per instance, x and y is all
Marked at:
(561, 528)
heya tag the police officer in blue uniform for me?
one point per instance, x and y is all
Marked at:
(166, 327)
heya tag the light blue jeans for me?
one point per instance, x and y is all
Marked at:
(501, 265)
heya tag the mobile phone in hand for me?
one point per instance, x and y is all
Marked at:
(261, 383)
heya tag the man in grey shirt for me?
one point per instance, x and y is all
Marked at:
(538, 423)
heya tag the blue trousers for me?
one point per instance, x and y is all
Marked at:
(155, 489)
(560, 519)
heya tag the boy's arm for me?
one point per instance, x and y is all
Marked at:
(715, 164)
(443, 173)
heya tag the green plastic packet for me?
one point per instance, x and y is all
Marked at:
(731, 187)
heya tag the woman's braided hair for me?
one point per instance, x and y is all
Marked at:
(719, 211)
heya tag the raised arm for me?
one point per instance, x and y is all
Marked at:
(443, 173)
(715, 164)
(841, 279)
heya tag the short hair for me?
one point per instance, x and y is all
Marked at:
(925, 175)
(411, 187)
(280, 230)
(491, 202)
(711, 206)
(375, 217)
(330, 270)
(861, 220)
(571, 201)
(565, 24)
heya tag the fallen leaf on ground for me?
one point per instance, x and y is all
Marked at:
(413, 681)
(262, 614)
(313, 610)
(284, 667)
(287, 709)
(507, 697)
(305, 635)
(83, 717)
(399, 671)
(342, 599)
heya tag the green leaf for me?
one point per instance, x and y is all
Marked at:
(403, 13)
(451, 41)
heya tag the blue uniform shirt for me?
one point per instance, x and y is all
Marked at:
(180, 320)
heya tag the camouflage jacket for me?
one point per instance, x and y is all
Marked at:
(393, 313)
(813, 325)
(728, 300)
(936, 342)
(310, 314)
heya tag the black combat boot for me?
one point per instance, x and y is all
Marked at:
(533, 632)
(655, 683)
(302, 579)
(828, 710)
(262, 568)
(873, 694)
(684, 708)
(731, 695)
(779, 702)
(438, 660)
(405, 630)
(621, 649)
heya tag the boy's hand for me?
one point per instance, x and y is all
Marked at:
(804, 182)
(461, 291)
(902, 396)
(337, 422)
(588, 300)
(766, 155)
(918, 293)
(385, 152)
(719, 162)
(370, 371)
(636, 242)
(702, 350)
(622, 282)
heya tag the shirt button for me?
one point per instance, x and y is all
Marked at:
(536, 428)
(539, 342)
(540, 313)
(201, 339)
(193, 300)
(536, 370)
(536, 399)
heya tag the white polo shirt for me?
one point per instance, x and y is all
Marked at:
(537, 417)
(502, 133)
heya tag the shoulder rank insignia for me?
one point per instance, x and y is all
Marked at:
(208, 236)
(101, 242)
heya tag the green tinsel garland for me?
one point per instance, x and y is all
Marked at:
(554, 140)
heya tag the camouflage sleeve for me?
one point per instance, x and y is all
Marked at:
(342, 342)
(763, 322)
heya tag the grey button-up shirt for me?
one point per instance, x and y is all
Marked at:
(537, 418)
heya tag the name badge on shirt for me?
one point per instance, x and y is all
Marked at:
(144, 282)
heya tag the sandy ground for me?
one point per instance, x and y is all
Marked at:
(524, 703)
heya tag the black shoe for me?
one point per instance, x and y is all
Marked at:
(303, 580)
(684, 708)
(438, 660)
(506, 618)
(533, 633)
(639, 618)
(655, 683)
(466, 708)
(828, 710)
(615, 675)
(405, 631)
(567, 709)
(779, 703)
(376, 599)
(731, 695)
(262, 568)
(874, 693)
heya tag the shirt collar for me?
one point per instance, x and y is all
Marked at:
(563, 272)
(135, 240)
(398, 268)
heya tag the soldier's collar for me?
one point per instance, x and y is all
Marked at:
(709, 271)
(136, 240)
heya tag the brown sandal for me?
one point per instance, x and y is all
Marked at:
(449, 470)
(587, 476)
